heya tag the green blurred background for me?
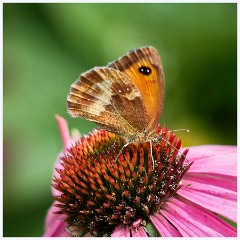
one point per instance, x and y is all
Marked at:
(47, 46)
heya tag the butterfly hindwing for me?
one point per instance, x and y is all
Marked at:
(110, 98)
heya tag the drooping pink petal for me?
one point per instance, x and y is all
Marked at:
(54, 224)
(51, 217)
(64, 131)
(192, 220)
(67, 141)
(121, 231)
(139, 232)
(163, 226)
(56, 228)
(215, 193)
(58, 165)
(199, 152)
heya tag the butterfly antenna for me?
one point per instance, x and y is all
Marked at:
(177, 130)
(174, 147)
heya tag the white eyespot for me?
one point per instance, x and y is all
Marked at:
(127, 89)
(119, 91)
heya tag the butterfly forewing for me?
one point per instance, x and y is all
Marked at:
(151, 86)
(110, 98)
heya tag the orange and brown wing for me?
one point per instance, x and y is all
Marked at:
(144, 68)
(109, 98)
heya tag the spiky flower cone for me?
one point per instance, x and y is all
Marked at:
(103, 184)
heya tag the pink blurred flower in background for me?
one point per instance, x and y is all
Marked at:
(96, 196)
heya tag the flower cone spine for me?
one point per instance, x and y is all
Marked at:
(103, 184)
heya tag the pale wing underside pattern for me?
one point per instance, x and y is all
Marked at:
(109, 98)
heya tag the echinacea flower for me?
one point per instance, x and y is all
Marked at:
(102, 189)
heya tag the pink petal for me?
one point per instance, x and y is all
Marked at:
(163, 226)
(199, 152)
(121, 231)
(212, 179)
(58, 165)
(51, 217)
(57, 229)
(194, 221)
(64, 131)
(217, 194)
(67, 141)
(136, 223)
(139, 232)
(54, 224)
(225, 164)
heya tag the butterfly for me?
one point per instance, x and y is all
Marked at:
(126, 97)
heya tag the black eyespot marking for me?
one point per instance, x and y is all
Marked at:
(145, 70)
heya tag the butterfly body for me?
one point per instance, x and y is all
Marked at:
(125, 98)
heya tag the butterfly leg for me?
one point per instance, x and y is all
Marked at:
(129, 141)
(121, 150)
(151, 152)
(145, 136)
